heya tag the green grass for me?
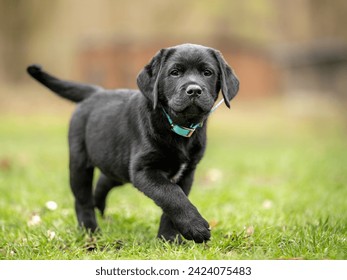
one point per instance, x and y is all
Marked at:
(273, 185)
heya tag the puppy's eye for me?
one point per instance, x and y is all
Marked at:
(175, 72)
(207, 72)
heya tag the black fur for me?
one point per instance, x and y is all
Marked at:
(126, 135)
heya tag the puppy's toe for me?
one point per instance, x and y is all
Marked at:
(199, 231)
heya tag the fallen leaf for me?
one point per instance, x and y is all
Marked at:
(250, 231)
(5, 164)
(267, 204)
(213, 224)
(50, 234)
(51, 205)
(35, 220)
(212, 176)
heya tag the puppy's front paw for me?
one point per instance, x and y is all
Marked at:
(193, 226)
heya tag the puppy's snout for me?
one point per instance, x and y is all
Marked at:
(194, 90)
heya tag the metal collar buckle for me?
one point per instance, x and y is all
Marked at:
(183, 131)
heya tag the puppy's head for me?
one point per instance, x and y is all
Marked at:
(185, 80)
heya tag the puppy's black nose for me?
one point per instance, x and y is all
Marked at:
(194, 90)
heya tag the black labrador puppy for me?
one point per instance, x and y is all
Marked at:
(153, 138)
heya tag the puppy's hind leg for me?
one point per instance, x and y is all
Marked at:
(103, 187)
(81, 178)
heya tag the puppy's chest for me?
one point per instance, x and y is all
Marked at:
(176, 161)
(179, 173)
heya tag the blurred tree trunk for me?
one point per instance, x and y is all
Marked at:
(19, 20)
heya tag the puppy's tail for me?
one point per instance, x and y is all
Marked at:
(73, 91)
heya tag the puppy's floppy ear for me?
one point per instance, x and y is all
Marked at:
(148, 78)
(229, 82)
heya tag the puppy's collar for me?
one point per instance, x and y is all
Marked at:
(187, 131)
(181, 130)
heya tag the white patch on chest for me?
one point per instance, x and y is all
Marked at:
(179, 173)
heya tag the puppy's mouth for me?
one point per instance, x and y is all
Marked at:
(190, 112)
(192, 105)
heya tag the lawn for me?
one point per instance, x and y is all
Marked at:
(273, 185)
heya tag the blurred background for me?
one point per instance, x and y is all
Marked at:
(292, 48)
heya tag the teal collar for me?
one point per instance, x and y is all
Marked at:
(187, 131)
(181, 130)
